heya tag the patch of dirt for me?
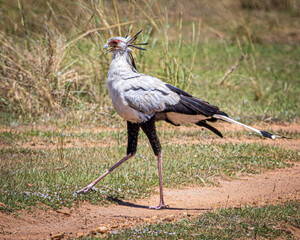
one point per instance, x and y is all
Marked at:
(293, 127)
(270, 187)
(292, 144)
(51, 128)
(37, 143)
(227, 127)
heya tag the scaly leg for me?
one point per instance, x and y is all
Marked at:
(150, 130)
(91, 185)
(161, 195)
(133, 132)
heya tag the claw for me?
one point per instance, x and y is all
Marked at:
(86, 189)
(160, 206)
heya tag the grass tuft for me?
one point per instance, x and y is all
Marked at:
(268, 222)
(31, 177)
(52, 66)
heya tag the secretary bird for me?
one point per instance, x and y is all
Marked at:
(142, 100)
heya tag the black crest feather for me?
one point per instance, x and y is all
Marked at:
(135, 45)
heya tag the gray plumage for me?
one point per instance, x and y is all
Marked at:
(138, 97)
(142, 100)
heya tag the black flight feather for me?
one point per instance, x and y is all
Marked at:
(178, 91)
(191, 105)
(211, 128)
(187, 105)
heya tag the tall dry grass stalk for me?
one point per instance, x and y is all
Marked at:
(50, 51)
(268, 4)
(51, 58)
(47, 62)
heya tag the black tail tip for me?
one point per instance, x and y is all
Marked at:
(223, 113)
(268, 135)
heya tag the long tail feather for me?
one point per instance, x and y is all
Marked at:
(265, 134)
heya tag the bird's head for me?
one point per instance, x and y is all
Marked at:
(123, 43)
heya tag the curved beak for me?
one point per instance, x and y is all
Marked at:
(105, 46)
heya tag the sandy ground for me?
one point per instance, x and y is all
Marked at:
(36, 143)
(270, 187)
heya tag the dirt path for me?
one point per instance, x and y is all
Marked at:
(270, 187)
(287, 127)
(37, 143)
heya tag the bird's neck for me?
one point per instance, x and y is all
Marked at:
(121, 64)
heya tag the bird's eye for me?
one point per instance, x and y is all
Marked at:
(114, 42)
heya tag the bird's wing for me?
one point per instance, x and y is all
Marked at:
(148, 94)
(191, 105)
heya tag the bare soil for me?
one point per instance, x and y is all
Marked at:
(36, 143)
(270, 187)
(288, 127)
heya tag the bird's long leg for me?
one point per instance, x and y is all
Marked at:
(133, 131)
(161, 195)
(149, 129)
(92, 184)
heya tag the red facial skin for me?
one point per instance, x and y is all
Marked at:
(114, 42)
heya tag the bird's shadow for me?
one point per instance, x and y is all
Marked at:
(133, 205)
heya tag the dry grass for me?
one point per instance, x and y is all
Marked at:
(51, 62)
(268, 4)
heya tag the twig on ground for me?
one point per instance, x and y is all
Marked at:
(61, 168)
(232, 68)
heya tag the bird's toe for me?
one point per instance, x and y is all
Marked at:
(86, 189)
(160, 206)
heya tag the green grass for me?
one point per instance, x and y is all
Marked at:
(53, 74)
(188, 134)
(58, 138)
(75, 137)
(265, 86)
(268, 222)
(31, 177)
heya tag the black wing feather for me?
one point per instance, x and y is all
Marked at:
(194, 106)
(211, 128)
(178, 90)
(191, 105)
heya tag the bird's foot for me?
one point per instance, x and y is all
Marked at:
(160, 206)
(86, 189)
